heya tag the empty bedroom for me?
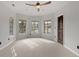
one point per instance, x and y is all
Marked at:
(39, 28)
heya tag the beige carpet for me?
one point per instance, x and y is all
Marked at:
(35, 47)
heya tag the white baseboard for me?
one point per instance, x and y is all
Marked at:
(71, 50)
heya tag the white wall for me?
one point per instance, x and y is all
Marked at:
(71, 25)
(51, 35)
(5, 13)
(29, 19)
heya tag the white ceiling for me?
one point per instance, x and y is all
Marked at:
(21, 8)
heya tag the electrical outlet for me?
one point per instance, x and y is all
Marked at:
(0, 43)
(77, 47)
(8, 39)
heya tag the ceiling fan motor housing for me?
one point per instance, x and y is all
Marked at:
(37, 3)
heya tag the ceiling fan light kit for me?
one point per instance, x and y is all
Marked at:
(38, 5)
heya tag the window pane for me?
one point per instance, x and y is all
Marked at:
(22, 26)
(35, 27)
(11, 26)
(47, 26)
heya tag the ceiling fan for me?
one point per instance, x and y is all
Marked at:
(38, 5)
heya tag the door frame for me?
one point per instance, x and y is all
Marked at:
(58, 20)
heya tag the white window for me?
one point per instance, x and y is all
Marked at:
(47, 26)
(11, 21)
(35, 26)
(22, 26)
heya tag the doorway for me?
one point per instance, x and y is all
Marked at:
(60, 29)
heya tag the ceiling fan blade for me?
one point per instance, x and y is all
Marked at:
(45, 3)
(30, 4)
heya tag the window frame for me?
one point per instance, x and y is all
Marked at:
(11, 26)
(22, 29)
(35, 26)
(46, 26)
